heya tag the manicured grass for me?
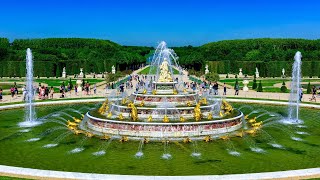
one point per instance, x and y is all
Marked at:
(147, 71)
(119, 157)
(11, 178)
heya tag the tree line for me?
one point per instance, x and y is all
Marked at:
(94, 55)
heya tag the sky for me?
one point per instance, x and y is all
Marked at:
(147, 22)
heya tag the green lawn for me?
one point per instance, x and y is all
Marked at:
(147, 71)
(119, 157)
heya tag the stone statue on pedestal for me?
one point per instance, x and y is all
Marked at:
(283, 71)
(113, 71)
(64, 74)
(207, 70)
(245, 85)
(81, 73)
(257, 73)
(240, 72)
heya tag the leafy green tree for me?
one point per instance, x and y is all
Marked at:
(254, 84)
(211, 76)
(283, 87)
(260, 87)
(309, 88)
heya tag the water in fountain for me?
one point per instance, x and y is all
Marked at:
(295, 92)
(30, 115)
(139, 154)
(161, 53)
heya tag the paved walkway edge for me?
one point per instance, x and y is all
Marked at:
(37, 173)
(40, 174)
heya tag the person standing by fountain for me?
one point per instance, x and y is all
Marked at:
(224, 89)
(0, 94)
(301, 94)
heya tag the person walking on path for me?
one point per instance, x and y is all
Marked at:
(24, 92)
(314, 93)
(51, 92)
(237, 90)
(0, 94)
(94, 89)
(224, 89)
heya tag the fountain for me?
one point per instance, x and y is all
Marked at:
(293, 111)
(30, 114)
(160, 110)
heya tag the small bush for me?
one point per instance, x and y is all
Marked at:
(309, 88)
(283, 87)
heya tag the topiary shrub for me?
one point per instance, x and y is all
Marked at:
(309, 88)
(227, 75)
(283, 87)
(254, 83)
(259, 89)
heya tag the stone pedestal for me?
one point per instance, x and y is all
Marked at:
(245, 85)
(79, 83)
(64, 75)
(81, 73)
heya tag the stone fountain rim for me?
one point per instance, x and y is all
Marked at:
(38, 173)
(93, 100)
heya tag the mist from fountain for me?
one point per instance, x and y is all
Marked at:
(30, 114)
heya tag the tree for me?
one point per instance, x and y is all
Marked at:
(283, 87)
(309, 88)
(211, 76)
(260, 87)
(254, 84)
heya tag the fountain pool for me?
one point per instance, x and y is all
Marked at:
(222, 155)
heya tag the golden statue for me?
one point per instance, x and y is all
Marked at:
(109, 115)
(76, 120)
(154, 92)
(144, 91)
(182, 119)
(150, 118)
(69, 123)
(175, 91)
(210, 116)
(207, 139)
(104, 107)
(187, 140)
(124, 101)
(134, 111)
(120, 116)
(188, 103)
(204, 101)
(197, 112)
(165, 75)
(165, 119)
(141, 103)
(226, 106)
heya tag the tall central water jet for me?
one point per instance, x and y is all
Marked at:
(30, 115)
(295, 90)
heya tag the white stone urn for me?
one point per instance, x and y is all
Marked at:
(245, 85)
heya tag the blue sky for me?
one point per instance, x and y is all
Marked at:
(147, 22)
